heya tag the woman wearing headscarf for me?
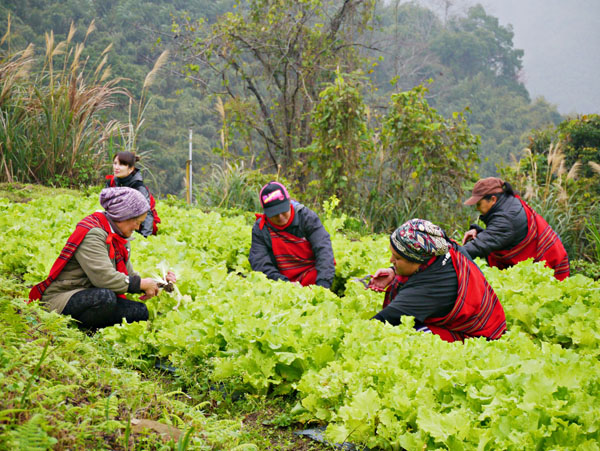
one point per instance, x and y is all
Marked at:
(126, 174)
(514, 231)
(433, 280)
(93, 272)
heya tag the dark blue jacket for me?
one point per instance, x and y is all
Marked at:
(306, 224)
(506, 226)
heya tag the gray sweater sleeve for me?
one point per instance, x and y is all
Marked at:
(428, 294)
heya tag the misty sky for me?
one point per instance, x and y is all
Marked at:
(561, 40)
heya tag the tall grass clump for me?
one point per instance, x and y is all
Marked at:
(553, 191)
(52, 127)
(231, 186)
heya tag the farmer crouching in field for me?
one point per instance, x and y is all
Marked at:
(514, 231)
(93, 271)
(435, 281)
(289, 242)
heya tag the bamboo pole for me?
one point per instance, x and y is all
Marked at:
(188, 171)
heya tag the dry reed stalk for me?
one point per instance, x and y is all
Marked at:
(595, 166)
(531, 179)
(7, 34)
(49, 38)
(556, 157)
(133, 129)
(75, 64)
(15, 70)
(574, 171)
(555, 160)
(107, 49)
(160, 62)
(71, 33)
(220, 108)
(100, 66)
(91, 28)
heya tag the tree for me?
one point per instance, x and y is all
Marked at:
(341, 152)
(428, 158)
(581, 136)
(272, 57)
(502, 119)
(403, 43)
(479, 44)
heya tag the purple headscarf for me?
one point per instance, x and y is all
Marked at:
(123, 203)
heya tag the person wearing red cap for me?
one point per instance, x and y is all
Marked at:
(289, 241)
(514, 231)
(93, 271)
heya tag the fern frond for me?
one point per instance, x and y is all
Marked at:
(31, 436)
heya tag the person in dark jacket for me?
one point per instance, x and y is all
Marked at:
(289, 242)
(126, 174)
(435, 281)
(514, 231)
(89, 278)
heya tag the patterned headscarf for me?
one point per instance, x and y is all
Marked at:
(122, 203)
(418, 240)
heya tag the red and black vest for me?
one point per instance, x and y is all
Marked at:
(117, 251)
(294, 256)
(477, 311)
(135, 185)
(541, 244)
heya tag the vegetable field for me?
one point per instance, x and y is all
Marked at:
(314, 350)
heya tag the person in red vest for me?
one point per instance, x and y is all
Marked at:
(435, 281)
(514, 231)
(126, 174)
(93, 272)
(289, 241)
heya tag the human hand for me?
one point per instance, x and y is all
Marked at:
(171, 277)
(149, 287)
(469, 235)
(381, 279)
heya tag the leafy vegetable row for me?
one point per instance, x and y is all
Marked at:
(373, 383)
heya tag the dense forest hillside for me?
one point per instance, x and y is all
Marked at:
(467, 62)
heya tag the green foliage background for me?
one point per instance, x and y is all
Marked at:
(470, 59)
